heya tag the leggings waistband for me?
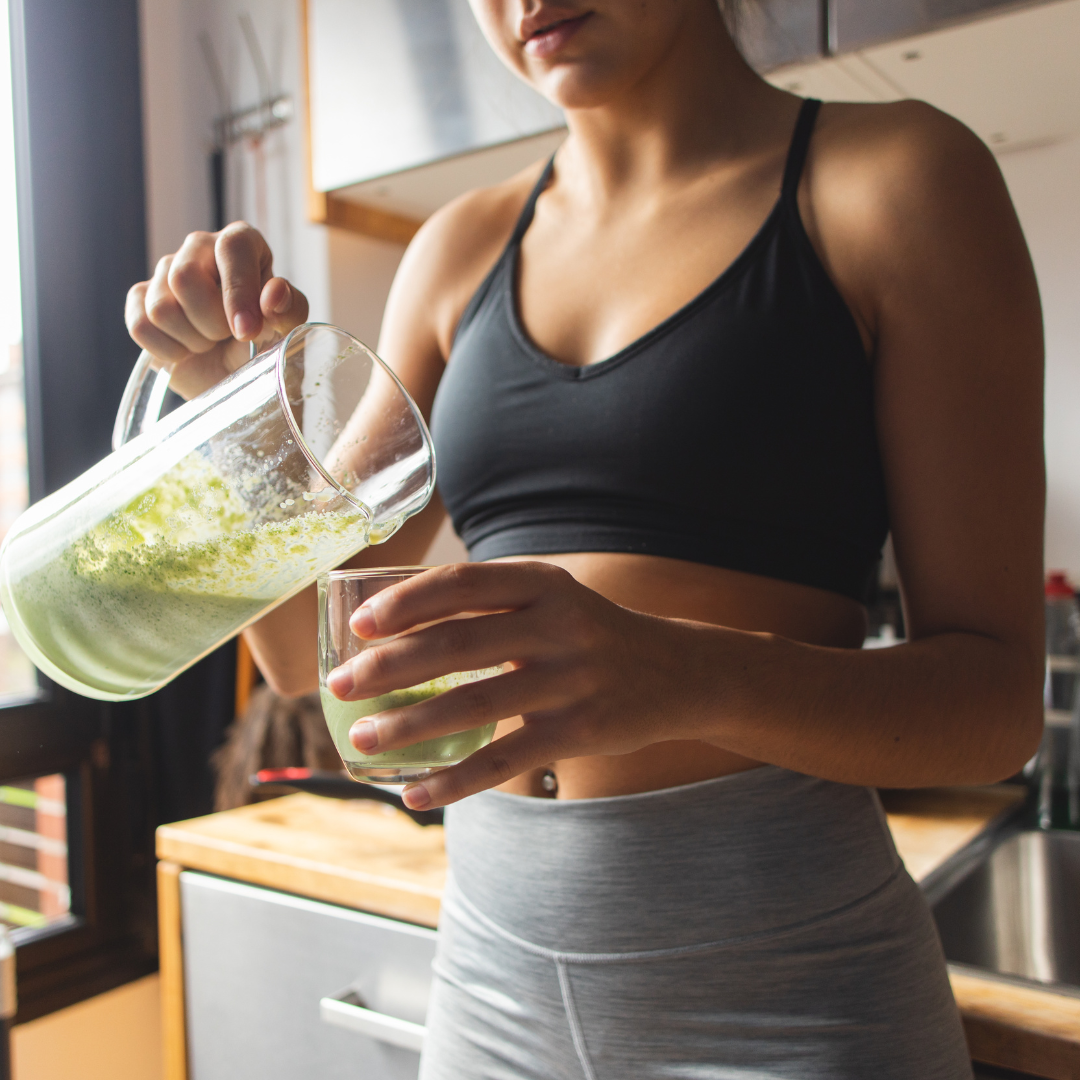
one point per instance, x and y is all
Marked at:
(460, 907)
(742, 855)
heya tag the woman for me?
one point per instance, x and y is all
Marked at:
(682, 381)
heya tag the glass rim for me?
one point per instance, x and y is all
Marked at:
(374, 572)
(297, 333)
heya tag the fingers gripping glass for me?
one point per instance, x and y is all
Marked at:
(341, 592)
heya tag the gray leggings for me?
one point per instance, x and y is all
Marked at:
(755, 926)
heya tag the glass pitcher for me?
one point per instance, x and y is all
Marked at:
(201, 522)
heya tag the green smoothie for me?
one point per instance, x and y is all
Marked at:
(162, 581)
(421, 757)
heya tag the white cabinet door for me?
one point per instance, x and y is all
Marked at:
(262, 969)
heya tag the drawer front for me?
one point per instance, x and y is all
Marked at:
(257, 965)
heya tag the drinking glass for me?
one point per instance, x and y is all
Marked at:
(341, 592)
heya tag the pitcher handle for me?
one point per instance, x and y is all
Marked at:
(144, 395)
(140, 407)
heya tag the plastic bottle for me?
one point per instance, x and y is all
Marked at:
(1057, 764)
(1062, 643)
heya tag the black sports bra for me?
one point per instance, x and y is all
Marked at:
(738, 433)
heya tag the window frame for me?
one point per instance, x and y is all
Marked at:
(82, 239)
(128, 766)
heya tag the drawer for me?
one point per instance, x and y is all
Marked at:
(281, 987)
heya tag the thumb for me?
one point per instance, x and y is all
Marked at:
(283, 306)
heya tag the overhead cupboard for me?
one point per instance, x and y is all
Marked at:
(409, 107)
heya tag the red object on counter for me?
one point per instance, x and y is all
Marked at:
(1058, 585)
(271, 776)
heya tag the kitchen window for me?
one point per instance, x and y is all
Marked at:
(34, 888)
(83, 783)
(17, 676)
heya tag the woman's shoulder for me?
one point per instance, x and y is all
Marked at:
(891, 188)
(458, 245)
(482, 219)
(882, 163)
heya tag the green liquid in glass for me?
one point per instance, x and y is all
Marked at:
(431, 753)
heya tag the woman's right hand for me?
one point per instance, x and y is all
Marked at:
(204, 305)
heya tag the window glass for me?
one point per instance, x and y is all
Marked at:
(17, 677)
(33, 852)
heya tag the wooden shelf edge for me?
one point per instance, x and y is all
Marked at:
(326, 208)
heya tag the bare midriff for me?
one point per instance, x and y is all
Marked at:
(675, 589)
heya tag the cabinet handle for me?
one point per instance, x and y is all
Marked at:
(347, 1010)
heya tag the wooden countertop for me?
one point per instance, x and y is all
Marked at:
(931, 825)
(1018, 1026)
(351, 852)
(370, 856)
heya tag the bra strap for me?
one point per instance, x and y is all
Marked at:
(800, 146)
(525, 218)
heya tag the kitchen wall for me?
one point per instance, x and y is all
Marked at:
(345, 277)
(1045, 185)
(267, 182)
(359, 274)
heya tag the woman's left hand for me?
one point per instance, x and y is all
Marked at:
(586, 676)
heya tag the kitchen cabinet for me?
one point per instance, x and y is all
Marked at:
(1013, 78)
(409, 107)
(279, 986)
(395, 86)
(296, 939)
(854, 23)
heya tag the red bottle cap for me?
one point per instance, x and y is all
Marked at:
(1057, 585)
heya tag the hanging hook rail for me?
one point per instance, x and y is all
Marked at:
(273, 110)
(254, 121)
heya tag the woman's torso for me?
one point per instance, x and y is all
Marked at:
(650, 268)
(675, 589)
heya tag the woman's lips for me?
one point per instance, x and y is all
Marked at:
(550, 40)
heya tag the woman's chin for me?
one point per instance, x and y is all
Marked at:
(575, 86)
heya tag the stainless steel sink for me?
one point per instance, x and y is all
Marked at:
(1017, 911)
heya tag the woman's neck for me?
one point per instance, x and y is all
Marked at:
(699, 107)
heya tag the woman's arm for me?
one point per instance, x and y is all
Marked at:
(925, 239)
(915, 221)
(218, 292)
(915, 225)
(442, 267)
